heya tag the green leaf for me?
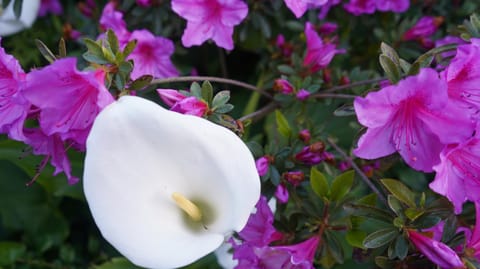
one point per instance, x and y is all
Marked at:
(255, 148)
(318, 182)
(395, 205)
(125, 68)
(426, 221)
(368, 212)
(390, 53)
(207, 92)
(405, 66)
(391, 69)
(413, 213)
(384, 262)
(10, 252)
(93, 47)
(341, 185)
(380, 238)
(401, 247)
(344, 111)
(355, 238)
(450, 228)
(112, 41)
(129, 48)
(282, 124)
(400, 191)
(117, 263)
(62, 49)
(45, 51)
(89, 57)
(220, 99)
(141, 82)
(224, 109)
(286, 69)
(196, 90)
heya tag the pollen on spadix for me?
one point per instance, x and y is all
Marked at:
(187, 206)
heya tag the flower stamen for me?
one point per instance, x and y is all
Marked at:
(188, 206)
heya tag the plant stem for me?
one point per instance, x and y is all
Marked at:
(254, 116)
(354, 84)
(358, 170)
(213, 79)
(333, 95)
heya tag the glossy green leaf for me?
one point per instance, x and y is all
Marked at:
(207, 92)
(355, 238)
(318, 182)
(341, 185)
(113, 41)
(196, 90)
(413, 213)
(392, 71)
(220, 99)
(390, 53)
(368, 212)
(45, 51)
(380, 238)
(141, 82)
(282, 124)
(400, 191)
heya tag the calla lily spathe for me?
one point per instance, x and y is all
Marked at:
(139, 155)
(10, 24)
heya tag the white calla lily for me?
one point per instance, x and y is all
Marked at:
(164, 188)
(10, 24)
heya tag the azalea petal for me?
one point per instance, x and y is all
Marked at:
(138, 154)
(375, 143)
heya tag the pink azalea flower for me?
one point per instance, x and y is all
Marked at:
(458, 173)
(13, 106)
(326, 8)
(328, 28)
(183, 104)
(449, 40)
(413, 117)
(152, 55)
(68, 99)
(53, 147)
(425, 27)
(259, 230)
(393, 5)
(283, 86)
(305, 135)
(281, 193)
(262, 165)
(302, 94)
(113, 19)
(50, 6)
(358, 7)
(299, 7)
(144, 3)
(210, 19)
(436, 251)
(463, 77)
(313, 154)
(319, 54)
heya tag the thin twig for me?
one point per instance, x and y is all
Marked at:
(354, 84)
(261, 112)
(333, 95)
(212, 79)
(358, 170)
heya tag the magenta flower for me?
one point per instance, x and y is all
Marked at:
(113, 19)
(299, 7)
(463, 77)
(68, 99)
(326, 8)
(414, 118)
(281, 193)
(283, 86)
(393, 5)
(183, 104)
(358, 7)
(13, 106)
(302, 94)
(152, 55)
(259, 230)
(54, 150)
(305, 135)
(50, 6)
(424, 28)
(449, 40)
(210, 19)
(458, 173)
(313, 154)
(436, 251)
(328, 28)
(144, 3)
(262, 165)
(319, 54)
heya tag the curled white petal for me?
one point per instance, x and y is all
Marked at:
(10, 24)
(138, 154)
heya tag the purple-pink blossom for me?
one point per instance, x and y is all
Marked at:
(113, 19)
(262, 165)
(305, 135)
(413, 118)
(435, 251)
(299, 7)
(302, 95)
(424, 28)
(397, 6)
(319, 54)
(50, 6)
(463, 77)
(152, 55)
(281, 193)
(458, 173)
(210, 19)
(283, 86)
(180, 103)
(13, 105)
(358, 7)
(68, 99)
